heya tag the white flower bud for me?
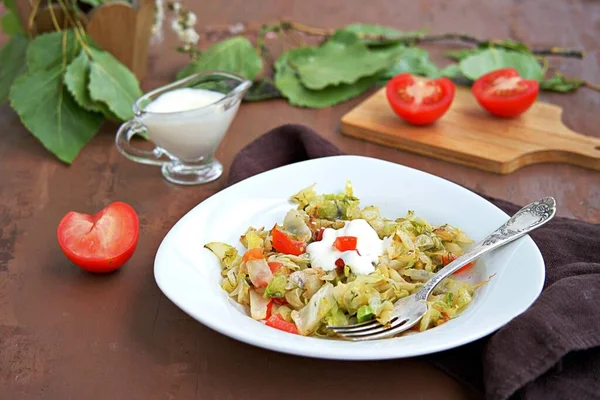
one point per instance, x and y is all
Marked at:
(237, 28)
(191, 19)
(190, 36)
(176, 26)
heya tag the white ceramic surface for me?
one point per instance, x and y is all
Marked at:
(189, 275)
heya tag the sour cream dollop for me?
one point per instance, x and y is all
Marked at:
(323, 254)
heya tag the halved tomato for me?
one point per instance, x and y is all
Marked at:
(418, 100)
(102, 242)
(504, 93)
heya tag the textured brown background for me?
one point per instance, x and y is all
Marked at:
(65, 334)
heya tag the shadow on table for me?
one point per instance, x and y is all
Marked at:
(199, 360)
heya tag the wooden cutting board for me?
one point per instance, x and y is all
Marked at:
(469, 135)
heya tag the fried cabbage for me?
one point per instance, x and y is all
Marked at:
(311, 298)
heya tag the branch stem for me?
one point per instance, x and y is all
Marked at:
(592, 86)
(34, 10)
(418, 37)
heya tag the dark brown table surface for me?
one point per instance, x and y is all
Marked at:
(65, 334)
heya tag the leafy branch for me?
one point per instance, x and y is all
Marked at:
(411, 38)
(348, 61)
(417, 37)
(61, 84)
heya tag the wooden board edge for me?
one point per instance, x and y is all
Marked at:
(431, 151)
(576, 151)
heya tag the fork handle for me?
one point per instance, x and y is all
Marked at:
(528, 218)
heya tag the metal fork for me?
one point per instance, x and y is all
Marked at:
(409, 310)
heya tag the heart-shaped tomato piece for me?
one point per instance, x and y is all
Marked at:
(102, 242)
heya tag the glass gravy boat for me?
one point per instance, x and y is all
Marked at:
(186, 120)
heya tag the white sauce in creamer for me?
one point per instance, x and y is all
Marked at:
(324, 255)
(188, 123)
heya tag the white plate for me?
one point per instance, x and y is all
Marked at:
(189, 275)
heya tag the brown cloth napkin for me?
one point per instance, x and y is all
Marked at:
(552, 351)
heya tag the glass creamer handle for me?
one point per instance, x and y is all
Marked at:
(123, 142)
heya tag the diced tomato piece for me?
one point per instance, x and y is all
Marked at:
(345, 243)
(340, 263)
(448, 258)
(253, 254)
(466, 267)
(269, 309)
(274, 266)
(276, 321)
(283, 243)
(281, 302)
(320, 234)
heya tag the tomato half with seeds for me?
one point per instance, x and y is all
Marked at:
(418, 100)
(504, 93)
(102, 242)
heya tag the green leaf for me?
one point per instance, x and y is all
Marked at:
(390, 49)
(13, 63)
(393, 50)
(77, 81)
(492, 59)
(391, 35)
(235, 55)
(46, 51)
(10, 5)
(415, 61)
(373, 29)
(287, 82)
(94, 3)
(113, 83)
(562, 84)
(507, 44)
(50, 113)
(10, 23)
(461, 54)
(342, 59)
(263, 90)
(451, 71)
